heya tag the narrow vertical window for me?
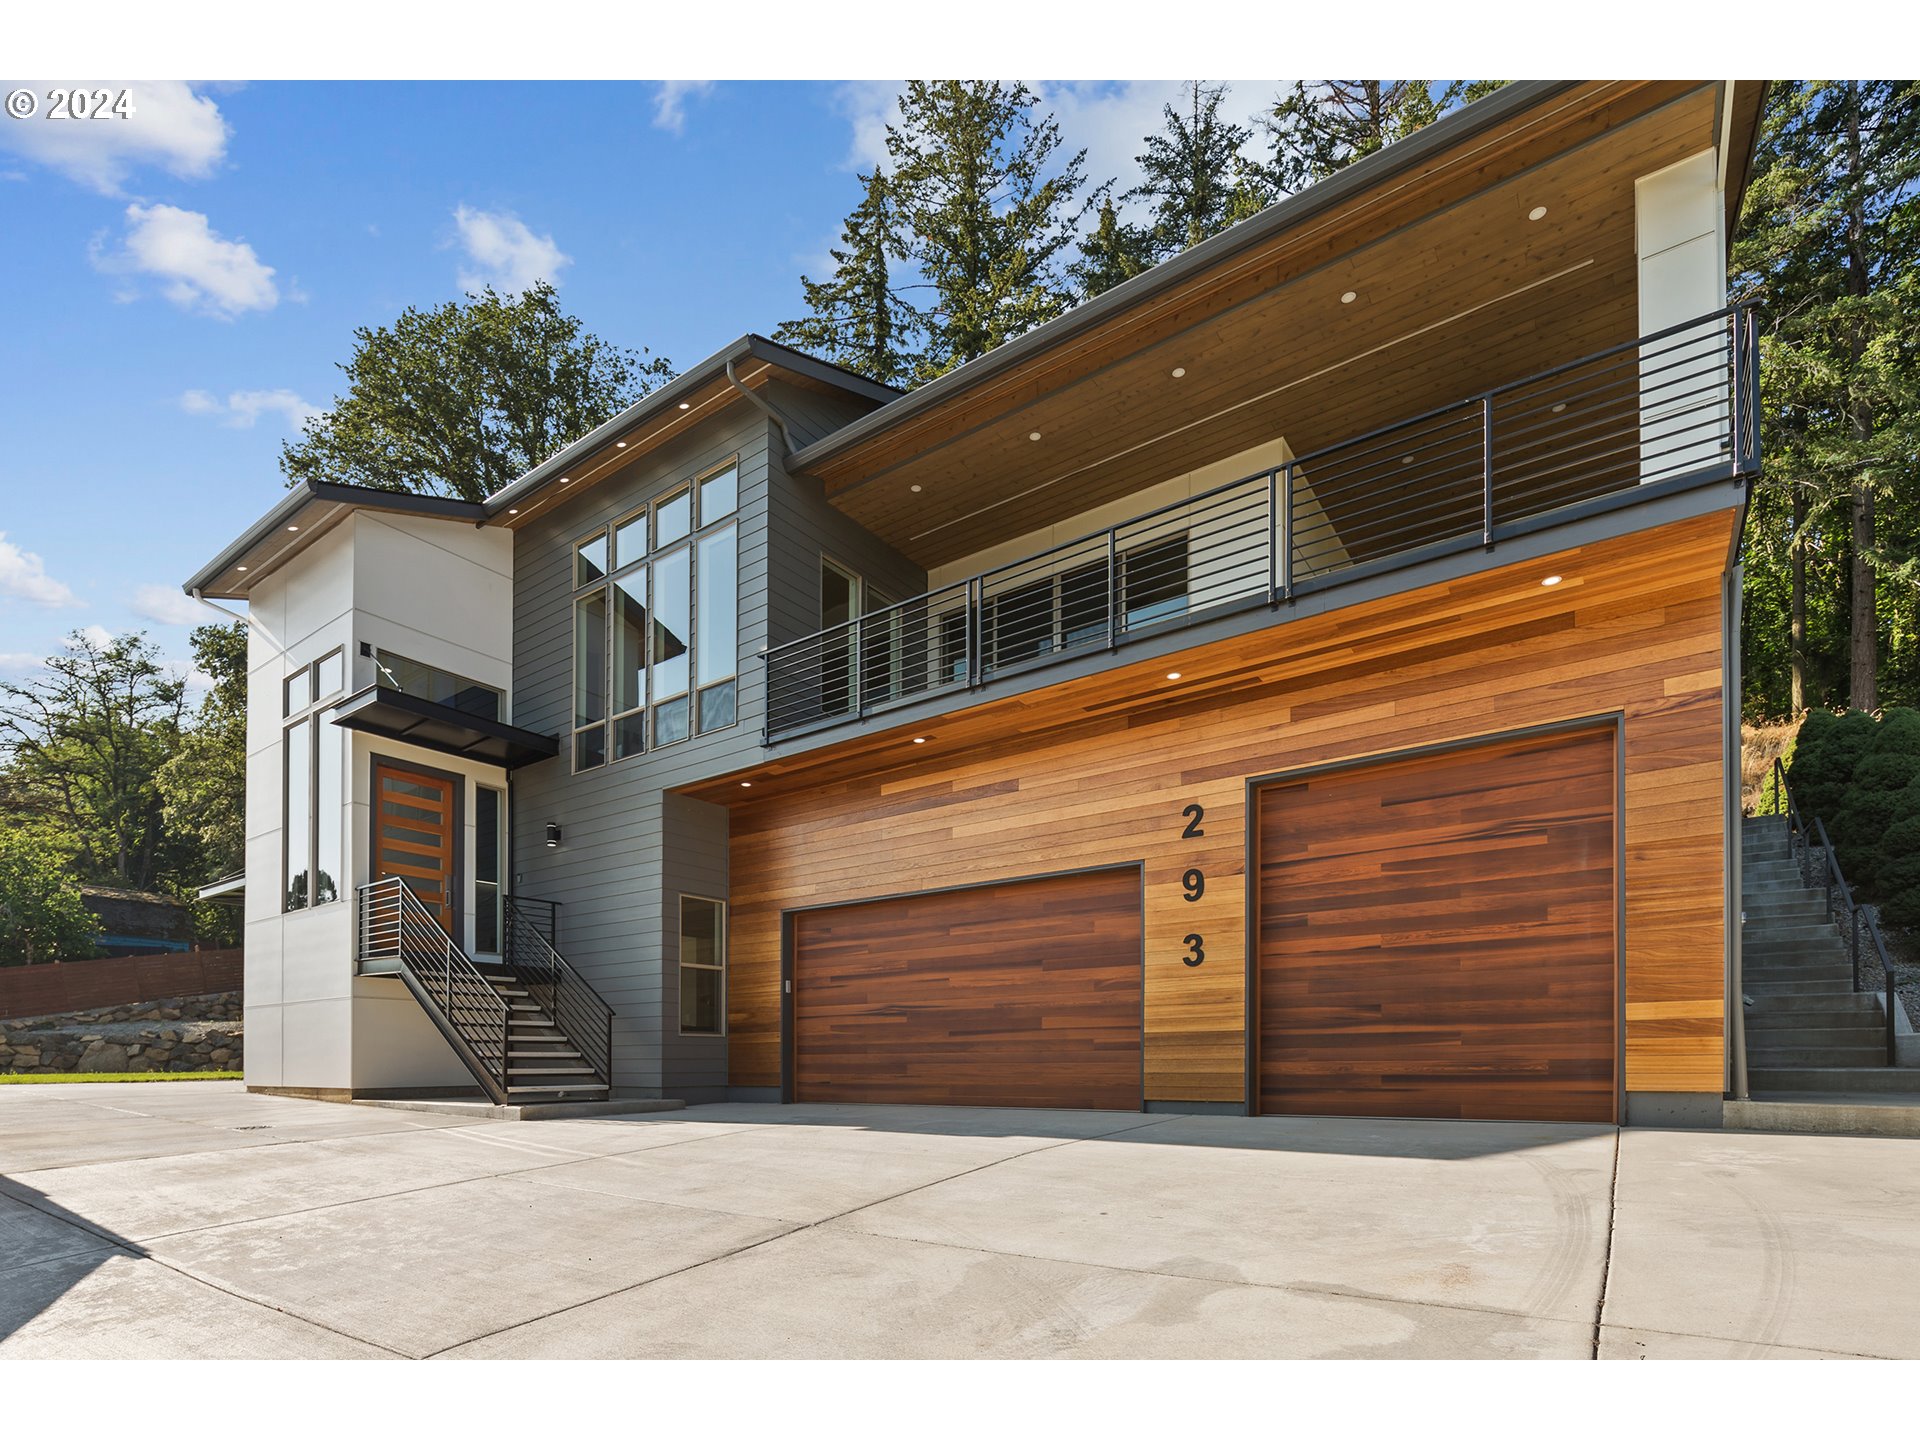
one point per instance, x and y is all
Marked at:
(329, 801)
(703, 966)
(590, 560)
(717, 625)
(489, 863)
(672, 624)
(299, 826)
(672, 518)
(590, 680)
(630, 664)
(719, 495)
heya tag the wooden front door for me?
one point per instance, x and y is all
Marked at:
(1436, 935)
(1025, 993)
(413, 834)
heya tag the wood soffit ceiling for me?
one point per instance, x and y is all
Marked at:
(1456, 290)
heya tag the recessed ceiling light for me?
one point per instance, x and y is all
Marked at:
(239, 567)
(1561, 406)
(1551, 580)
(566, 479)
(293, 527)
(1348, 298)
(619, 444)
(914, 488)
(685, 406)
(1538, 212)
(746, 784)
(919, 739)
(513, 512)
(1173, 674)
(1406, 459)
(1179, 371)
(1033, 435)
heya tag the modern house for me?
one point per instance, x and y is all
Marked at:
(1300, 680)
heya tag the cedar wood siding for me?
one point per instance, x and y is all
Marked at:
(1097, 772)
(629, 849)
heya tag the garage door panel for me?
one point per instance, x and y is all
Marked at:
(1026, 993)
(1437, 935)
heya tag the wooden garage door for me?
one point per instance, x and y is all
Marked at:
(1026, 993)
(1436, 935)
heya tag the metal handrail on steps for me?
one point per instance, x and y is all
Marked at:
(463, 1004)
(1812, 852)
(555, 985)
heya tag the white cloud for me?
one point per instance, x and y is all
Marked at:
(197, 267)
(171, 127)
(23, 576)
(502, 252)
(99, 635)
(242, 408)
(18, 664)
(670, 102)
(165, 605)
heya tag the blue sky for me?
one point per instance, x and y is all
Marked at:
(180, 286)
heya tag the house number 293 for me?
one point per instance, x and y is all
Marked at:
(1193, 885)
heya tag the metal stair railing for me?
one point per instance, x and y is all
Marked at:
(1812, 853)
(463, 1005)
(555, 985)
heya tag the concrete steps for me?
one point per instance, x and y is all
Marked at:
(1809, 1034)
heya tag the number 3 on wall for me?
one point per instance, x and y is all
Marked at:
(1194, 944)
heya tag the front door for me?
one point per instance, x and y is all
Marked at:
(413, 834)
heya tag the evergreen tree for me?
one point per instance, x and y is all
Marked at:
(468, 396)
(1113, 251)
(857, 318)
(1191, 169)
(1829, 239)
(987, 209)
(1322, 126)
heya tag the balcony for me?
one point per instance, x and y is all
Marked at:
(1665, 412)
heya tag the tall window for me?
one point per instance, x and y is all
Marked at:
(656, 623)
(703, 966)
(489, 864)
(311, 784)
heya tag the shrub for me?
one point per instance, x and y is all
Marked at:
(1861, 777)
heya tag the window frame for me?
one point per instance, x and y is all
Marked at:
(309, 718)
(721, 942)
(501, 859)
(622, 567)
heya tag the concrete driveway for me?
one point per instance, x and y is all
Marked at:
(198, 1220)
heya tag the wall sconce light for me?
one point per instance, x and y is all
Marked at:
(553, 836)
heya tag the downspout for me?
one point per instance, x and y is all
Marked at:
(1736, 982)
(786, 435)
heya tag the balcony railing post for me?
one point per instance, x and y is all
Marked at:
(1273, 537)
(1286, 531)
(1486, 471)
(1113, 589)
(974, 639)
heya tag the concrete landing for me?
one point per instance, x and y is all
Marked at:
(1826, 1113)
(551, 1110)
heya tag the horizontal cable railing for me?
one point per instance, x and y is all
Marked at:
(1668, 406)
(554, 985)
(395, 924)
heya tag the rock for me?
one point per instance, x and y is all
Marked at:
(221, 1056)
(104, 1059)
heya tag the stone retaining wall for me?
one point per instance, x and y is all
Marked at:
(182, 1033)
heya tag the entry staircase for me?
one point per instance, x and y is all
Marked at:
(529, 1029)
(1823, 1025)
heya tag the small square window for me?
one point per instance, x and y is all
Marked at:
(719, 495)
(670, 721)
(672, 518)
(332, 670)
(630, 735)
(717, 707)
(299, 690)
(590, 560)
(590, 748)
(630, 540)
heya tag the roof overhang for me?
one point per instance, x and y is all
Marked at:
(310, 509)
(1253, 336)
(395, 715)
(726, 377)
(227, 890)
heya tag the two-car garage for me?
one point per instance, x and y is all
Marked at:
(1433, 935)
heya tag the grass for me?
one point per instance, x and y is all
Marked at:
(90, 1079)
